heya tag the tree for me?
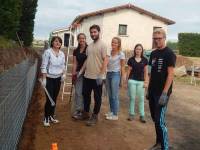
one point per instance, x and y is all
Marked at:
(27, 21)
(189, 44)
(10, 13)
(172, 45)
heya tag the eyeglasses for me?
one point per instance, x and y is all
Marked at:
(158, 39)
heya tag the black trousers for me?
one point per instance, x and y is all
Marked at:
(53, 87)
(158, 115)
(88, 86)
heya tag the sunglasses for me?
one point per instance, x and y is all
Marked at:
(158, 38)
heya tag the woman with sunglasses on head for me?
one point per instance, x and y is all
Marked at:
(53, 69)
(137, 81)
(79, 57)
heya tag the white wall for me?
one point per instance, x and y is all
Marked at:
(139, 30)
(85, 25)
(61, 35)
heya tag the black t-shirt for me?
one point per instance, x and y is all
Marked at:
(159, 61)
(80, 58)
(137, 72)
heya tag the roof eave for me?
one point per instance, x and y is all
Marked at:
(129, 6)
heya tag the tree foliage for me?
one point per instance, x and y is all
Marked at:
(10, 13)
(172, 45)
(17, 16)
(27, 21)
(189, 44)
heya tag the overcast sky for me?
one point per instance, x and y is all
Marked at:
(54, 14)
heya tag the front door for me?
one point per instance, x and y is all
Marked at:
(66, 39)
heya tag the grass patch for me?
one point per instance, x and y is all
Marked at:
(6, 43)
(187, 80)
(195, 60)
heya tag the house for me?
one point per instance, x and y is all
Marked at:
(129, 22)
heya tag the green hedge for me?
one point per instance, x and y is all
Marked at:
(10, 13)
(172, 45)
(17, 16)
(6, 43)
(189, 44)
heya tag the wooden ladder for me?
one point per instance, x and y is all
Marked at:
(67, 85)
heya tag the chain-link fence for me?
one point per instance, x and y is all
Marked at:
(16, 87)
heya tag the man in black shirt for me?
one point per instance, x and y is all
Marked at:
(162, 62)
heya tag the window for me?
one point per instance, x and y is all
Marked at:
(122, 29)
(66, 40)
(154, 28)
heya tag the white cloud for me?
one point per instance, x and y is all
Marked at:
(53, 14)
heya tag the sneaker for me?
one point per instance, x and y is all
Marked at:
(108, 114)
(46, 122)
(130, 118)
(157, 146)
(77, 115)
(112, 117)
(92, 120)
(53, 120)
(142, 119)
(82, 116)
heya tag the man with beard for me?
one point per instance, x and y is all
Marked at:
(162, 62)
(95, 72)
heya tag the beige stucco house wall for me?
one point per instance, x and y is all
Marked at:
(85, 25)
(139, 28)
(140, 25)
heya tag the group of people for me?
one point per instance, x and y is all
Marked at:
(95, 64)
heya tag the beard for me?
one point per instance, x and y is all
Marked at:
(95, 37)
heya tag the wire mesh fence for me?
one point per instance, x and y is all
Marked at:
(16, 87)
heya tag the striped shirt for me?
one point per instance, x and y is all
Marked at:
(53, 65)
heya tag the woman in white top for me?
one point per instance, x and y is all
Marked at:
(114, 71)
(52, 68)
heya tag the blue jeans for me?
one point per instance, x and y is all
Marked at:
(112, 85)
(78, 94)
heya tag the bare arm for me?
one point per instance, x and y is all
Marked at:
(128, 72)
(44, 75)
(83, 67)
(122, 63)
(74, 65)
(169, 80)
(104, 66)
(146, 77)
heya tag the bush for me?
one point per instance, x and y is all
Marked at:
(189, 44)
(172, 45)
(5, 43)
(10, 13)
(17, 16)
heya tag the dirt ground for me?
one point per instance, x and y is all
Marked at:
(13, 56)
(182, 120)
